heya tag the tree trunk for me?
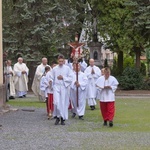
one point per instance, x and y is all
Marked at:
(137, 54)
(120, 62)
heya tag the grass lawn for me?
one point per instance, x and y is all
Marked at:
(131, 115)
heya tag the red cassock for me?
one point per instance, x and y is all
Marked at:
(107, 110)
(70, 105)
(50, 105)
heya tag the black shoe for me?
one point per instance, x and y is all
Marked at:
(73, 115)
(81, 118)
(24, 95)
(92, 107)
(111, 123)
(11, 97)
(62, 121)
(20, 96)
(105, 123)
(57, 121)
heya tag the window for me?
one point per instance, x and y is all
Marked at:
(95, 55)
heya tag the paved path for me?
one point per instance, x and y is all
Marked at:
(23, 130)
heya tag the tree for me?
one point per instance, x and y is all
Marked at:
(139, 23)
(34, 28)
(123, 26)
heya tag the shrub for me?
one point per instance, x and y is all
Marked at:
(146, 84)
(143, 69)
(131, 79)
(128, 62)
(114, 69)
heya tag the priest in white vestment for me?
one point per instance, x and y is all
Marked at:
(61, 78)
(83, 64)
(81, 84)
(21, 78)
(93, 73)
(9, 73)
(36, 81)
(107, 86)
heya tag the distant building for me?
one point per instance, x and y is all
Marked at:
(99, 54)
(109, 55)
(95, 52)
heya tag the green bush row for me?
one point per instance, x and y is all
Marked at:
(132, 79)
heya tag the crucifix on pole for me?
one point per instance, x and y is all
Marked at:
(76, 55)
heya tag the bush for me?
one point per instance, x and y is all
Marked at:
(146, 84)
(143, 69)
(128, 62)
(131, 79)
(114, 69)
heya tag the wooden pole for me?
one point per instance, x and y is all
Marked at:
(77, 91)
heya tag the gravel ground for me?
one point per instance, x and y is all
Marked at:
(22, 130)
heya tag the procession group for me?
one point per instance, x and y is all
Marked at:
(57, 85)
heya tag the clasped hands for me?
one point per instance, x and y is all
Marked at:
(92, 72)
(50, 83)
(23, 72)
(60, 77)
(77, 84)
(107, 87)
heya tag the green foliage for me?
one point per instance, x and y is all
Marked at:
(33, 28)
(131, 79)
(146, 84)
(124, 25)
(143, 69)
(128, 61)
(115, 70)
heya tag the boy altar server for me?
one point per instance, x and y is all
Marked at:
(61, 78)
(107, 85)
(46, 87)
(81, 84)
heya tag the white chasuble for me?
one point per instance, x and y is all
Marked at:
(21, 80)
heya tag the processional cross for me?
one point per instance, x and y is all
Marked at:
(76, 55)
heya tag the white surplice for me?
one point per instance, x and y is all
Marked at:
(61, 89)
(45, 87)
(49, 89)
(107, 95)
(83, 81)
(21, 80)
(83, 66)
(91, 88)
